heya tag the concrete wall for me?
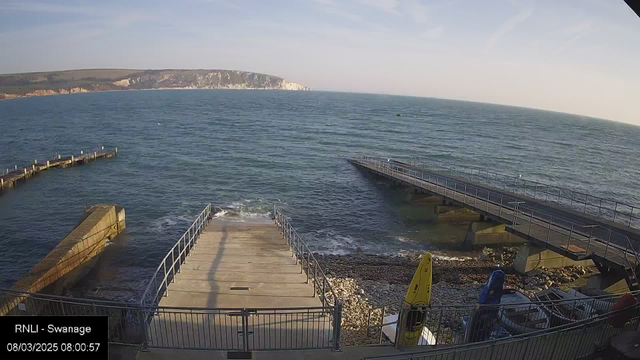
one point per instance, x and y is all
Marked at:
(490, 233)
(531, 257)
(76, 250)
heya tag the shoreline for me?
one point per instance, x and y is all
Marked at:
(371, 286)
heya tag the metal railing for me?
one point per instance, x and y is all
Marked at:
(310, 266)
(236, 329)
(571, 341)
(616, 211)
(307, 261)
(244, 329)
(454, 325)
(171, 263)
(240, 329)
(526, 220)
(126, 321)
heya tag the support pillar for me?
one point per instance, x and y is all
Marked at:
(531, 257)
(455, 214)
(490, 233)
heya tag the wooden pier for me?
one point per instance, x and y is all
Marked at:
(11, 178)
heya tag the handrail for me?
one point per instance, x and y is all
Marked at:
(462, 190)
(301, 250)
(606, 208)
(183, 246)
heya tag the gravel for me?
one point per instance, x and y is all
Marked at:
(367, 284)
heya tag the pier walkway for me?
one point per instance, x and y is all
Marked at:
(552, 227)
(241, 286)
(238, 264)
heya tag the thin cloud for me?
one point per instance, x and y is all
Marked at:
(325, 2)
(390, 6)
(506, 27)
(434, 33)
(418, 12)
(50, 8)
(577, 31)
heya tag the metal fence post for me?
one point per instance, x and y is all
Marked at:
(179, 256)
(464, 198)
(400, 328)
(245, 330)
(530, 222)
(570, 235)
(144, 334)
(308, 257)
(324, 296)
(337, 322)
(599, 207)
(173, 264)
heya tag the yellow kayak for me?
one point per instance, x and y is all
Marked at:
(419, 293)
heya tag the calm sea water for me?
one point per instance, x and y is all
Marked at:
(179, 150)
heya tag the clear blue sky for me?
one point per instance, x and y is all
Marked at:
(576, 56)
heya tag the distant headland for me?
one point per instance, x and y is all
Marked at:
(89, 80)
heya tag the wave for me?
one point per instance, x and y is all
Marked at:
(248, 210)
(403, 239)
(328, 242)
(452, 258)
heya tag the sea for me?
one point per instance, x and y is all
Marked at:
(246, 150)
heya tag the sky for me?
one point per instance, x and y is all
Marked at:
(574, 56)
